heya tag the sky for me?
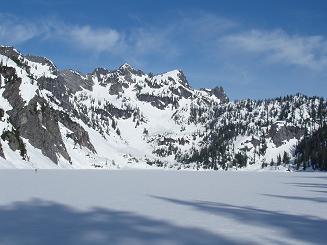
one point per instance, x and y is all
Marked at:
(254, 48)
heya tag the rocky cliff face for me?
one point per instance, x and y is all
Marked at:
(126, 118)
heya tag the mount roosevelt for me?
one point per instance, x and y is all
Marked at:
(124, 118)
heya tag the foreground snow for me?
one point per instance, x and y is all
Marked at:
(162, 207)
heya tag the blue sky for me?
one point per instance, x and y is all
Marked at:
(254, 49)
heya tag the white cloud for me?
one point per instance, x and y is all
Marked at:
(13, 31)
(174, 39)
(199, 34)
(98, 40)
(280, 47)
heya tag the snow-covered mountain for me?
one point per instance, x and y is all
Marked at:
(125, 118)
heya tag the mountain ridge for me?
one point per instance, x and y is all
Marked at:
(125, 118)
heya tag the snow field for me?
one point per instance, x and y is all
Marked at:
(162, 207)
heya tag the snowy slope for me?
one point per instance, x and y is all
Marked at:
(125, 118)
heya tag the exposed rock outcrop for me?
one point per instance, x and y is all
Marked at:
(129, 117)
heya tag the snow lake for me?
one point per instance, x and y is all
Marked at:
(162, 207)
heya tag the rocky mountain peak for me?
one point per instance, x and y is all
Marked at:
(125, 118)
(100, 71)
(75, 80)
(127, 69)
(126, 66)
(219, 92)
(41, 60)
(10, 52)
(182, 78)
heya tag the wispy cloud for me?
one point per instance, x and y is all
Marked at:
(205, 32)
(15, 31)
(96, 40)
(138, 41)
(172, 40)
(280, 47)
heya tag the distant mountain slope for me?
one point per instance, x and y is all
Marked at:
(126, 118)
(312, 150)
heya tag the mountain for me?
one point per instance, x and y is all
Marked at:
(123, 117)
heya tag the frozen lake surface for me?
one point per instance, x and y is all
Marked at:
(162, 207)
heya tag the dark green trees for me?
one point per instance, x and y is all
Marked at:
(312, 150)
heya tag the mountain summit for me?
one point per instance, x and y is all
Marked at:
(125, 118)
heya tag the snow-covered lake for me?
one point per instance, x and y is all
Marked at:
(162, 207)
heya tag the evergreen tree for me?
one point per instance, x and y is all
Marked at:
(286, 158)
(313, 150)
(272, 163)
(279, 160)
(241, 159)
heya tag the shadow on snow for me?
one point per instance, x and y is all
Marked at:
(41, 222)
(305, 228)
(299, 198)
